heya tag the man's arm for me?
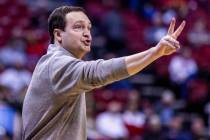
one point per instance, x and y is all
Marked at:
(139, 61)
(167, 45)
(68, 74)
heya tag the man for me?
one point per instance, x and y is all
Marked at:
(54, 107)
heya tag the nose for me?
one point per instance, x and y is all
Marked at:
(87, 34)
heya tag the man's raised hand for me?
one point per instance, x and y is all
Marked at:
(168, 44)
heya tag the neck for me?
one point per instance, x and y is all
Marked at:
(76, 55)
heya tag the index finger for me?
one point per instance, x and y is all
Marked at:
(171, 27)
(179, 30)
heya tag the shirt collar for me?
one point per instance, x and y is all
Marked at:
(52, 48)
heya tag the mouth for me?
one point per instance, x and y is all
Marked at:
(87, 42)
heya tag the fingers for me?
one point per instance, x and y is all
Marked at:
(170, 47)
(172, 41)
(172, 44)
(179, 30)
(171, 27)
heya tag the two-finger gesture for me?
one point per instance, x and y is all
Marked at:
(168, 44)
(175, 34)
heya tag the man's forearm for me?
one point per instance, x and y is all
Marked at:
(139, 61)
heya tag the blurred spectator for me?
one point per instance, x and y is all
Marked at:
(199, 34)
(15, 48)
(166, 109)
(148, 108)
(36, 43)
(10, 119)
(92, 132)
(175, 129)
(182, 68)
(110, 123)
(154, 130)
(154, 33)
(133, 118)
(15, 78)
(199, 131)
(113, 25)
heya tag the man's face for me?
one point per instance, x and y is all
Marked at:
(77, 38)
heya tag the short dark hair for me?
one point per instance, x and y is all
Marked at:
(57, 19)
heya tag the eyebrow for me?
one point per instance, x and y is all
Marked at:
(82, 22)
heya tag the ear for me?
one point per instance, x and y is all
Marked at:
(57, 35)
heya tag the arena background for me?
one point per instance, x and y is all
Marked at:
(169, 100)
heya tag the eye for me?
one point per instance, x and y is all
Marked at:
(89, 28)
(78, 27)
